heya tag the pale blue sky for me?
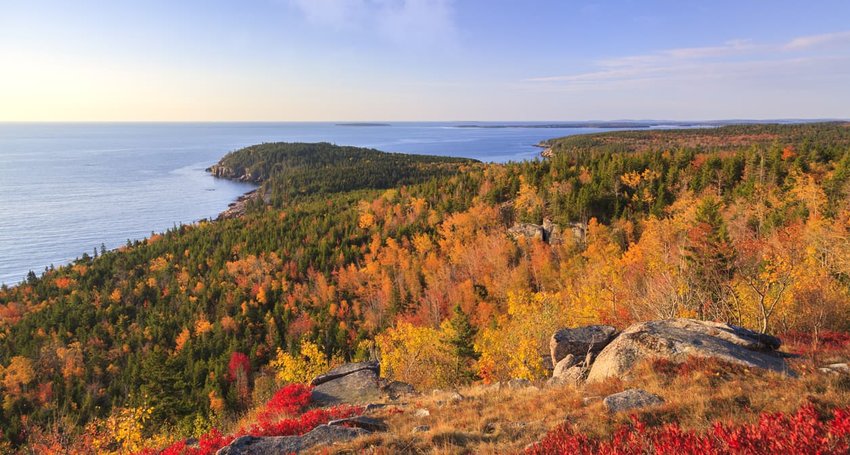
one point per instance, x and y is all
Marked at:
(423, 59)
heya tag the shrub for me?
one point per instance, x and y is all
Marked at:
(804, 432)
(290, 400)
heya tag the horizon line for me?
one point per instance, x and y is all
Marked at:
(554, 121)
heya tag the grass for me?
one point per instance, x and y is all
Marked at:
(495, 420)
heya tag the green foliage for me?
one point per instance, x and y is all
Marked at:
(289, 170)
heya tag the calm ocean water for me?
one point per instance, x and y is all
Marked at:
(68, 188)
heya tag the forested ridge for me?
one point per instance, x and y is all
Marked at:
(290, 170)
(355, 251)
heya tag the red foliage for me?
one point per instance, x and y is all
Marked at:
(804, 432)
(806, 342)
(239, 365)
(291, 399)
(300, 425)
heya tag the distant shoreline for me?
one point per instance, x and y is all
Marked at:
(362, 124)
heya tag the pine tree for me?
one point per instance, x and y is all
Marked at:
(711, 259)
(463, 335)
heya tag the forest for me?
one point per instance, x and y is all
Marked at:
(354, 251)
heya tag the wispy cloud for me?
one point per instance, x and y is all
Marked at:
(737, 58)
(403, 22)
(804, 42)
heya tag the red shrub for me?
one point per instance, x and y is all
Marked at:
(803, 432)
(289, 400)
(806, 342)
(306, 422)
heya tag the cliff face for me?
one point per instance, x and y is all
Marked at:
(225, 172)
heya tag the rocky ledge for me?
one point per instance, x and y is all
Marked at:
(594, 353)
(225, 172)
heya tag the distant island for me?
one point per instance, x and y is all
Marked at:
(635, 124)
(363, 124)
(570, 125)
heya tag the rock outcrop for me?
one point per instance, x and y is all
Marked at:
(240, 205)
(573, 351)
(596, 352)
(225, 172)
(570, 370)
(363, 422)
(526, 230)
(321, 435)
(580, 342)
(679, 339)
(631, 399)
(547, 232)
(352, 383)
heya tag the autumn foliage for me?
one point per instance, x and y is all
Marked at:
(803, 432)
(744, 224)
(280, 416)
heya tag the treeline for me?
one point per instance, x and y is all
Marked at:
(195, 323)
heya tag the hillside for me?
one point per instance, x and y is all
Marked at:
(424, 261)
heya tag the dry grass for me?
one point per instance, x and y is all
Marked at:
(496, 420)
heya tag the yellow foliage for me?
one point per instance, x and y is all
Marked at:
(516, 345)
(527, 200)
(303, 368)
(121, 432)
(262, 295)
(216, 402)
(631, 179)
(367, 218)
(418, 355)
(17, 375)
(72, 360)
(422, 243)
(159, 264)
(202, 326)
(182, 339)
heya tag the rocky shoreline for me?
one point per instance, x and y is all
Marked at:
(547, 149)
(238, 207)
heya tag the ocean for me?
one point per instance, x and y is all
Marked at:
(67, 188)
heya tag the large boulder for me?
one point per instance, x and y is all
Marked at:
(580, 342)
(678, 339)
(321, 435)
(353, 383)
(570, 370)
(631, 399)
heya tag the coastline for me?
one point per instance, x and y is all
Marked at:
(238, 207)
(547, 151)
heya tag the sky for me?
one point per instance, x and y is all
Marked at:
(416, 60)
